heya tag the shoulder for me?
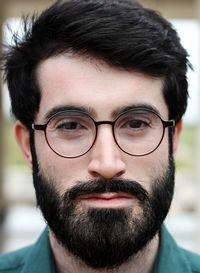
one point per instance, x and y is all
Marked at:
(36, 258)
(193, 260)
(173, 258)
(13, 262)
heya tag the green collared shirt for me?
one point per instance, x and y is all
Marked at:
(38, 258)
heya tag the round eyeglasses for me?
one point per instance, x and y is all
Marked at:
(72, 133)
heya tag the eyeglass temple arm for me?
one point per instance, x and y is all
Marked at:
(169, 123)
(40, 127)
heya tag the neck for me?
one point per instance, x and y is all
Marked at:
(143, 262)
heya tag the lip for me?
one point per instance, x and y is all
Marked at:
(106, 196)
(107, 200)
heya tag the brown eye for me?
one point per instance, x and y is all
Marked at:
(137, 124)
(70, 126)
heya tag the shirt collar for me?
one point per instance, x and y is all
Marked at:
(170, 257)
(40, 258)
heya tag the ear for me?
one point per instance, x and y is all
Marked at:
(22, 137)
(176, 135)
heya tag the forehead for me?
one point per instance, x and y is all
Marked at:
(75, 81)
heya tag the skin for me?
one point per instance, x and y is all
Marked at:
(71, 80)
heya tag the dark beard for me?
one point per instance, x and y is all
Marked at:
(104, 238)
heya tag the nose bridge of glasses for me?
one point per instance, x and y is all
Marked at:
(105, 144)
(105, 122)
(97, 123)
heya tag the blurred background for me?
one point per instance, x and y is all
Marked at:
(20, 221)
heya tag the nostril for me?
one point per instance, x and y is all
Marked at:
(120, 173)
(94, 174)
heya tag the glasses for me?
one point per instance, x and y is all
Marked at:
(72, 133)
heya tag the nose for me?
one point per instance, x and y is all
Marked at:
(106, 157)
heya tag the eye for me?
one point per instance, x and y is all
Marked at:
(137, 124)
(70, 126)
(134, 123)
(71, 123)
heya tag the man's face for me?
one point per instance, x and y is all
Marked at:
(105, 205)
(102, 90)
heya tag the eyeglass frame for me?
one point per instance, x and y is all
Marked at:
(43, 127)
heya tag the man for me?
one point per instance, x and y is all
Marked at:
(98, 89)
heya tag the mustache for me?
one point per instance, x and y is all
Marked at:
(107, 186)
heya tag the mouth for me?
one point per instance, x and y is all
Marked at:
(107, 200)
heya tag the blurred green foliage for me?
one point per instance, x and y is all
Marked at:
(187, 150)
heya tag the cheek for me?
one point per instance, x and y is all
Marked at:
(146, 169)
(63, 172)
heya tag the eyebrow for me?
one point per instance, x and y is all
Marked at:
(91, 111)
(62, 108)
(123, 109)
